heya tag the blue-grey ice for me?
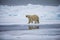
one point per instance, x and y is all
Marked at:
(35, 34)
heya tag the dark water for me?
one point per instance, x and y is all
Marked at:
(25, 27)
(22, 32)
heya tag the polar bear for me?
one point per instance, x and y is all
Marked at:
(33, 18)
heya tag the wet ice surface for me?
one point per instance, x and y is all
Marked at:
(35, 34)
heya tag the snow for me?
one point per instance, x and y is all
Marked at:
(41, 22)
(35, 34)
(17, 14)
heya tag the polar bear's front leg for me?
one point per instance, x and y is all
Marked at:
(30, 21)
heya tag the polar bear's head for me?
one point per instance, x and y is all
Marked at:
(28, 16)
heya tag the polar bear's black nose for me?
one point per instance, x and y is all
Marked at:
(26, 16)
